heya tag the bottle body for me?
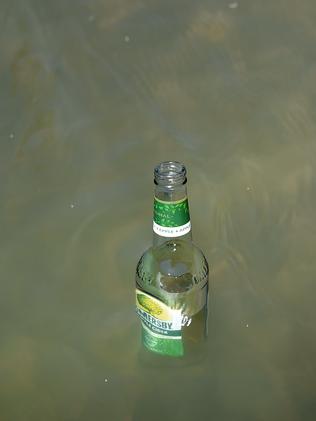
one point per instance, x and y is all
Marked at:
(172, 280)
(176, 273)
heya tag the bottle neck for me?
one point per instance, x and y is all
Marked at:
(171, 215)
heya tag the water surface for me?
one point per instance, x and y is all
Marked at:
(93, 95)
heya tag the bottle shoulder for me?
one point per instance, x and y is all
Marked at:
(175, 266)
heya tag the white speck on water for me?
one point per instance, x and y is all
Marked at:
(233, 5)
(72, 205)
(105, 380)
(91, 18)
(11, 135)
(248, 188)
(127, 38)
(247, 325)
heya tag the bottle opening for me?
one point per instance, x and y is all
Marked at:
(170, 173)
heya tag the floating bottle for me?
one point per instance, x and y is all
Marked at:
(172, 275)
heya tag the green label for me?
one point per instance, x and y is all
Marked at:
(161, 325)
(171, 219)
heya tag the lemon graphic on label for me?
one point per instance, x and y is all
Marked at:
(150, 305)
(153, 306)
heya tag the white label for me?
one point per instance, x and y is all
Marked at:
(172, 231)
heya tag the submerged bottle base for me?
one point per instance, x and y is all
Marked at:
(196, 356)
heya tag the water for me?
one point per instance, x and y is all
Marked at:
(93, 95)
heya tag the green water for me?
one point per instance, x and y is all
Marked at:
(93, 95)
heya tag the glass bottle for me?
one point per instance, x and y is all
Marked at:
(172, 275)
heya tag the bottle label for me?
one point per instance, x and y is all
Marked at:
(171, 219)
(161, 325)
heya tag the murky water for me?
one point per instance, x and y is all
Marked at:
(93, 95)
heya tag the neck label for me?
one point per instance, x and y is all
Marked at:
(171, 219)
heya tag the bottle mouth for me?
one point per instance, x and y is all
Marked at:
(170, 173)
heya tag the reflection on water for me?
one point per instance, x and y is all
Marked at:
(94, 94)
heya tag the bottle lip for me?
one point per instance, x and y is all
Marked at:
(170, 173)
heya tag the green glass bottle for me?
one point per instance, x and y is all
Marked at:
(172, 275)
